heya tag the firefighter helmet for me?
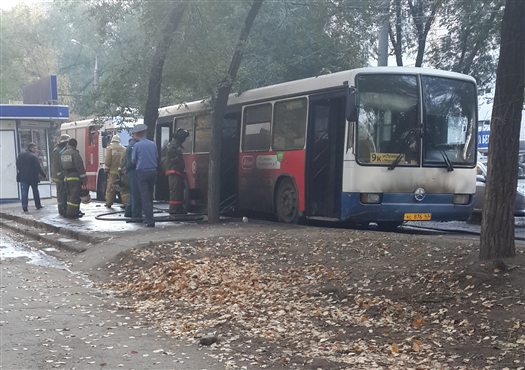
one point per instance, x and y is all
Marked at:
(181, 134)
(85, 198)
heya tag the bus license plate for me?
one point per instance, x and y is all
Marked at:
(418, 216)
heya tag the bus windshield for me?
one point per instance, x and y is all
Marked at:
(390, 131)
(388, 119)
(450, 114)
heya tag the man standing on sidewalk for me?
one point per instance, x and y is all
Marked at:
(144, 154)
(74, 177)
(56, 173)
(29, 169)
(114, 152)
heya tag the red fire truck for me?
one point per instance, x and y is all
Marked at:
(93, 136)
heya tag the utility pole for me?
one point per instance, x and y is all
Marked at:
(382, 59)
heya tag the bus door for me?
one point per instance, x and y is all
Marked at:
(230, 160)
(324, 155)
(163, 133)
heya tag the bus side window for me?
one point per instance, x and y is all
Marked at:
(256, 128)
(203, 133)
(186, 123)
(289, 124)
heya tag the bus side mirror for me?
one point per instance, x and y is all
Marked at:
(104, 140)
(351, 105)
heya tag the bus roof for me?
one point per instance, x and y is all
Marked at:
(108, 123)
(307, 85)
(184, 108)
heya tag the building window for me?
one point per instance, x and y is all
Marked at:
(37, 136)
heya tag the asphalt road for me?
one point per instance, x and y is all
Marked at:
(52, 318)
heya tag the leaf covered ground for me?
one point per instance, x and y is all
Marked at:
(315, 298)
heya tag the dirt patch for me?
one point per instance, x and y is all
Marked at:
(315, 298)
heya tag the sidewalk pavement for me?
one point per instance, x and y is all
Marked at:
(103, 233)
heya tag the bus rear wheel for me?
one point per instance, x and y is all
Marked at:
(287, 203)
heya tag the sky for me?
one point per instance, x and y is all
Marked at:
(8, 4)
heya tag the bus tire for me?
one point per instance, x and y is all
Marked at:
(287, 203)
(101, 186)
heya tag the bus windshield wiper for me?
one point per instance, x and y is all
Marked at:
(440, 147)
(396, 162)
(413, 133)
(450, 167)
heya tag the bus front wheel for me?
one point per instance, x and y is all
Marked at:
(287, 203)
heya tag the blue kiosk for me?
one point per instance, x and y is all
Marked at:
(21, 124)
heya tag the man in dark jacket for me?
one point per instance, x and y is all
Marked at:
(74, 177)
(173, 163)
(29, 169)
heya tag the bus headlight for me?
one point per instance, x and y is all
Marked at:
(370, 198)
(461, 199)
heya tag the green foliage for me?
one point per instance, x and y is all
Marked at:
(27, 54)
(470, 44)
(298, 40)
(288, 41)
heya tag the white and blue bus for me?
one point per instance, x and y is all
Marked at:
(379, 144)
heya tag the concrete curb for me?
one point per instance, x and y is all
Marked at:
(32, 223)
(51, 238)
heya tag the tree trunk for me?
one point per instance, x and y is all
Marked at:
(219, 108)
(151, 112)
(397, 39)
(497, 226)
(423, 25)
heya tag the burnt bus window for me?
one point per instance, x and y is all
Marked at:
(187, 124)
(289, 124)
(202, 133)
(256, 128)
(92, 131)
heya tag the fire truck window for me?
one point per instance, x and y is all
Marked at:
(256, 128)
(202, 133)
(92, 131)
(289, 124)
(187, 124)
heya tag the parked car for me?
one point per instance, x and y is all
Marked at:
(519, 203)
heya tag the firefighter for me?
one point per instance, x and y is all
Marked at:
(56, 173)
(75, 176)
(114, 152)
(173, 166)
